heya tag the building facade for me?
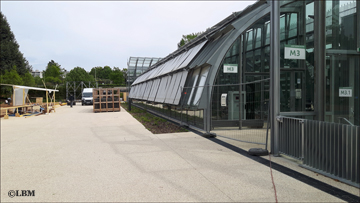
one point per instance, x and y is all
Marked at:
(323, 84)
(297, 61)
(138, 65)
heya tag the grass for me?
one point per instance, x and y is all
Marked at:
(153, 123)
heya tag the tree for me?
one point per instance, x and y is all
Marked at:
(95, 71)
(53, 73)
(117, 76)
(11, 77)
(79, 74)
(10, 55)
(38, 80)
(187, 38)
(28, 80)
(124, 71)
(106, 72)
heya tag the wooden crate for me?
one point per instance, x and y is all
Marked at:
(106, 99)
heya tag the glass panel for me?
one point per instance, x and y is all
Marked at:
(249, 66)
(176, 88)
(285, 90)
(258, 37)
(249, 43)
(192, 84)
(138, 72)
(160, 97)
(282, 27)
(147, 89)
(267, 25)
(341, 25)
(257, 61)
(267, 59)
(171, 87)
(181, 85)
(342, 62)
(200, 88)
(293, 25)
(154, 90)
(254, 94)
(131, 72)
(189, 56)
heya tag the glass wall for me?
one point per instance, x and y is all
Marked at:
(226, 81)
(342, 62)
(137, 66)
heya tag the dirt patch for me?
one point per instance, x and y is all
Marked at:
(154, 124)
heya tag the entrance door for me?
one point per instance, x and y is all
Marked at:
(292, 91)
(342, 87)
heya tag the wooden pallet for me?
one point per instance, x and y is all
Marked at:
(106, 99)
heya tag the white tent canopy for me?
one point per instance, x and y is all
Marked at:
(30, 88)
(20, 93)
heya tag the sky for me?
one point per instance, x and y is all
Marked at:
(107, 33)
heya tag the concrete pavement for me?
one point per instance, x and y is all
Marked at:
(76, 155)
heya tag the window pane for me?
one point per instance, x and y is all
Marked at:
(249, 40)
(200, 89)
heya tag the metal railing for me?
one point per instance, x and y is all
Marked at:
(291, 137)
(331, 149)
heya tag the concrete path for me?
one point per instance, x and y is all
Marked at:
(76, 155)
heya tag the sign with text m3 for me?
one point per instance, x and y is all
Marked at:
(294, 52)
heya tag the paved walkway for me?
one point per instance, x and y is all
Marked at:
(77, 155)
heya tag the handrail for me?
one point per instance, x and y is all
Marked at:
(346, 121)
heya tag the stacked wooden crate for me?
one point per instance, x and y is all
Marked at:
(106, 99)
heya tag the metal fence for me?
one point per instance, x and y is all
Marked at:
(331, 149)
(291, 137)
(225, 108)
(180, 115)
(241, 116)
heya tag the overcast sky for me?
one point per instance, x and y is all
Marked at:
(94, 33)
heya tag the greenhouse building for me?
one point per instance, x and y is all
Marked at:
(289, 66)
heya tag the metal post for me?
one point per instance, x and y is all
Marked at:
(67, 90)
(358, 26)
(320, 43)
(302, 139)
(47, 103)
(129, 103)
(240, 82)
(207, 113)
(275, 74)
(54, 101)
(74, 91)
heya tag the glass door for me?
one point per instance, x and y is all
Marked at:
(342, 88)
(291, 91)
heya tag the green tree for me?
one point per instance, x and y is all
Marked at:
(187, 38)
(117, 76)
(124, 71)
(53, 73)
(10, 55)
(79, 74)
(38, 80)
(28, 80)
(95, 71)
(11, 77)
(106, 72)
(101, 73)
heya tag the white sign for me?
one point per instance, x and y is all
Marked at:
(223, 99)
(230, 68)
(345, 92)
(294, 52)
